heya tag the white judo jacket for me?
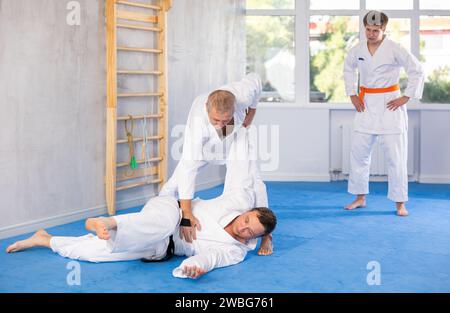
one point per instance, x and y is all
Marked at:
(380, 71)
(202, 143)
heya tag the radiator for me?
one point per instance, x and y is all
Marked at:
(377, 166)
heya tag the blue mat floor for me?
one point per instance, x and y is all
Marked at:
(319, 247)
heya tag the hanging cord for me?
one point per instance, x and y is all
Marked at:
(144, 137)
(145, 154)
(133, 163)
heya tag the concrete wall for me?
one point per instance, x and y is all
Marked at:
(52, 108)
(52, 116)
(206, 49)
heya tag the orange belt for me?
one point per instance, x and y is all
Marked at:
(363, 90)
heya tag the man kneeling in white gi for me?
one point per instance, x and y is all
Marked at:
(230, 229)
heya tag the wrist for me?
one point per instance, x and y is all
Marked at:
(186, 212)
(185, 206)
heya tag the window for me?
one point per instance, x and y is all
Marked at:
(434, 5)
(389, 4)
(333, 4)
(270, 4)
(329, 39)
(312, 73)
(270, 48)
(435, 56)
(399, 30)
(270, 52)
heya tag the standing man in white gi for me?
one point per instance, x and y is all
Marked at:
(381, 109)
(212, 121)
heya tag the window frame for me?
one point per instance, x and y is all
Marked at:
(302, 14)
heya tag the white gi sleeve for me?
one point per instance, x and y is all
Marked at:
(414, 70)
(350, 73)
(214, 258)
(191, 159)
(247, 91)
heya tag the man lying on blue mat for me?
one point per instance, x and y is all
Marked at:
(230, 227)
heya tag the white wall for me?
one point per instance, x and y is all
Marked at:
(310, 141)
(52, 108)
(303, 143)
(435, 146)
(51, 113)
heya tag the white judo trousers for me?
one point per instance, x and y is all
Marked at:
(138, 235)
(377, 122)
(146, 234)
(395, 148)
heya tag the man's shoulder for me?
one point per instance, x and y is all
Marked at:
(395, 46)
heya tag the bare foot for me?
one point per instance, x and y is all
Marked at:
(40, 239)
(401, 210)
(266, 247)
(358, 203)
(99, 226)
